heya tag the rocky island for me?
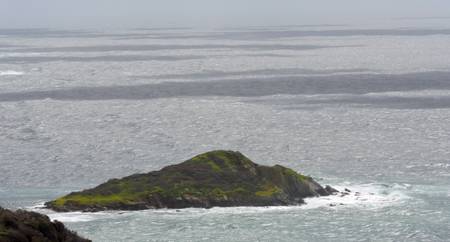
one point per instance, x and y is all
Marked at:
(213, 179)
(23, 226)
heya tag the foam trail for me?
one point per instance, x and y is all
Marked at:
(11, 73)
(73, 217)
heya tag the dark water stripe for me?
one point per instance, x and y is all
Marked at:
(249, 87)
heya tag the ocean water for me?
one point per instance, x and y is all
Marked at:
(360, 107)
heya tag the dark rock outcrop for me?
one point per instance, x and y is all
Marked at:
(25, 226)
(217, 178)
(331, 190)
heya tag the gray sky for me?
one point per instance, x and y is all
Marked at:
(208, 13)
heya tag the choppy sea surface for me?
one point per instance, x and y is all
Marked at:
(360, 107)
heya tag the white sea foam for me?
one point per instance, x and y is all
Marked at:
(362, 196)
(74, 217)
(11, 73)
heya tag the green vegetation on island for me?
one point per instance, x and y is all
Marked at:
(216, 178)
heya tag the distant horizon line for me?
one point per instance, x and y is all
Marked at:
(219, 27)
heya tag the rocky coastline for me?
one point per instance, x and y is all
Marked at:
(26, 226)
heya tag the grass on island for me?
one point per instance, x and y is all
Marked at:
(174, 183)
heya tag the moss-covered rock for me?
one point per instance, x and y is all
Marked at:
(217, 178)
(23, 226)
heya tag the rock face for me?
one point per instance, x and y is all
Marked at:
(24, 226)
(217, 178)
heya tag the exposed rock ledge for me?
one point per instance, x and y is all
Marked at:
(24, 226)
(213, 179)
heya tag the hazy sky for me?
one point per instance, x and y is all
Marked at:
(208, 13)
